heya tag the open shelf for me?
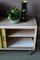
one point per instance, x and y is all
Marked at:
(20, 36)
(20, 33)
(20, 42)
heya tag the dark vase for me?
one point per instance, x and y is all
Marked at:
(24, 11)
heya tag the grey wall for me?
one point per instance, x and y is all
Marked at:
(33, 7)
(6, 4)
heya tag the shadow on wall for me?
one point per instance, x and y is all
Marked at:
(3, 9)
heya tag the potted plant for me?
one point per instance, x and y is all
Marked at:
(14, 15)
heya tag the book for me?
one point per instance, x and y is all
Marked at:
(0, 40)
(4, 43)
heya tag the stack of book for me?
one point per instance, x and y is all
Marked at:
(3, 43)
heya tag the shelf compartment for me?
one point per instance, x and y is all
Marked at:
(20, 33)
(20, 43)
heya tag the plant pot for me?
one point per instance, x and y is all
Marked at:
(15, 21)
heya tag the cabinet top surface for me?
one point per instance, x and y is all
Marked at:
(8, 24)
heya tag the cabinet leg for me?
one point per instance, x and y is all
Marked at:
(31, 52)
